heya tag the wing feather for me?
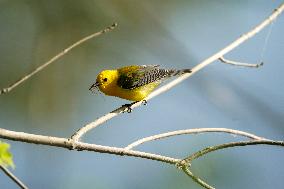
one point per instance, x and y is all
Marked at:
(132, 77)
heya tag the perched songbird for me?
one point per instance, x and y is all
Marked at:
(133, 83)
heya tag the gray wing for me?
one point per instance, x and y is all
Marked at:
(142, 76)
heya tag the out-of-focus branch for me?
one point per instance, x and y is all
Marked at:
(193, 131)
(13, 177)
(53, 59)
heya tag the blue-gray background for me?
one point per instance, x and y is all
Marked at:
(174, 34)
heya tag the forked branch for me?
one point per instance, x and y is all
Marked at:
(207, 150)
(186, 163)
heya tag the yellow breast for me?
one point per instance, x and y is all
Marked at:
(136, 94)
(107, 82)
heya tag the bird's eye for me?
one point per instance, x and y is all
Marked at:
(105, 79)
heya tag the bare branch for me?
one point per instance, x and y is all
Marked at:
(52, 60)
(183, 164)
(226, 61)
(192, 131)
(230, 145)
(186, 162)
(13, 177)
(195, 178)
(80, 146)
(76, 136)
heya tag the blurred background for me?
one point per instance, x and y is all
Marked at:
(174, 34)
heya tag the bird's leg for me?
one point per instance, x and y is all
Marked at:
(128, 107)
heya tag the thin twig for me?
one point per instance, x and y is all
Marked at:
(186, 162)
(226, 61)
(76, 136)
(13, 177)
(230, 145)
(192, 131)
(52, 60)
(195, 178)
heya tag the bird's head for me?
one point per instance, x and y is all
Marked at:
(105, 79)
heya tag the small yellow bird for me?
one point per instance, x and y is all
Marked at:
(133, 83)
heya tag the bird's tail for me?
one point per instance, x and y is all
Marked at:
(179, 72)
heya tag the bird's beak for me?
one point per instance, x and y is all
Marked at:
(94, 86)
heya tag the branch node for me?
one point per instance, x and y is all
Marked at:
(72, 144)
(4, 91)
(110, 27)
(182, 163)
(122, 152)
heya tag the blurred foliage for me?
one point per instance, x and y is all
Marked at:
(6, 157)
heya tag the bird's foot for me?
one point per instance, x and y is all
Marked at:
(128, 107)
(144, 102)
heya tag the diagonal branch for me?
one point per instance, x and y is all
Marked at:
(53, 59)
(192, 131)
(13, 177)
(76, 136)
(195, 178)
